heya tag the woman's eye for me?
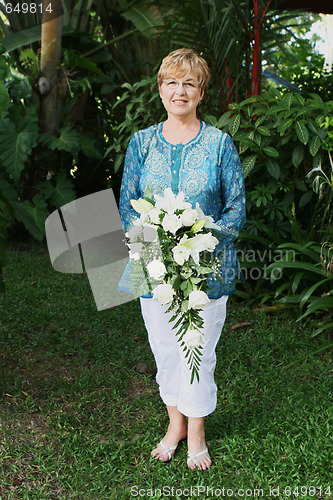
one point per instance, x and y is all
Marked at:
(188, 84)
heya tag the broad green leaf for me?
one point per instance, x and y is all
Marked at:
(302, 132)
(118, 162)
(299, 98)
(252, 237)
(310, 291)
(4, 96)
(69, 140)
(16, 146)
(248, 164)
(305, 198)
(145, 19)
(320, 303)
(24, 37)
(211, 120)
(29, 215)
(313, 127)
(259, 120)
(21, 89)
(264, 131)
(5, 71)
(309, 249)
(285, 124)
(297, 155)
(288, 99)
(257, 139)
(296, 282)
(223, 120)
(295, 265)
(300, 184)
(61, 193)
(38, 211)
(249, 143)
(7, 191)
(88, 147)
(282, 106)
(314, 145)
(234, 124)
(315, 97)
(242, 146)
(273, 168)
(328, 326)
(270, 151)
(21, 38)
(87, 64)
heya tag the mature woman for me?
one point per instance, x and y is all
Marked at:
(185, 154)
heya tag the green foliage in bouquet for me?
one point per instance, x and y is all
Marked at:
(169, 246)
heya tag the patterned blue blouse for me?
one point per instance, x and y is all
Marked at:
(207, 169)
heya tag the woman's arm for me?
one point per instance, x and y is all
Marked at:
(233, 194)
(130, 184)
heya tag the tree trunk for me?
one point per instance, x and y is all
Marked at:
(50, 109)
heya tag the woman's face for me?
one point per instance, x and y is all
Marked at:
(181, 96)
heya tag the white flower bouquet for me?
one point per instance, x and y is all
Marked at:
(169, 242)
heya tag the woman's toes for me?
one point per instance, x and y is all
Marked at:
(202, 462)
(191, 465)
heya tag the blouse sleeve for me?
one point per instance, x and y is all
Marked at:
(233, 194)
(130, 184)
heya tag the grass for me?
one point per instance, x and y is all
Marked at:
(78, 419)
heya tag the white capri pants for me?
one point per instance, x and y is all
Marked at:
(173, 373)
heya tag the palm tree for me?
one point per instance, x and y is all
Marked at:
(51, 30)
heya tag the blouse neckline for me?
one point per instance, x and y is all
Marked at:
(178, 145)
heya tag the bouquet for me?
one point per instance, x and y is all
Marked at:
(168, 243)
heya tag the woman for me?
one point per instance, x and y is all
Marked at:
(185, 154)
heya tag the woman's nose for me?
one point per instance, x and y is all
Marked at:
(180, 88)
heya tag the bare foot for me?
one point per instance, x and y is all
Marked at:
(202, 461)
(172, 438)
(196, 444)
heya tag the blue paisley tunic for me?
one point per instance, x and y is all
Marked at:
(208, 170)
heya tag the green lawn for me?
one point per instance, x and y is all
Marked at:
(78, 419)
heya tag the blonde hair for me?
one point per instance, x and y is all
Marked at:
(182, 62)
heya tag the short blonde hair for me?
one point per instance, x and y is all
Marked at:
(182, 62)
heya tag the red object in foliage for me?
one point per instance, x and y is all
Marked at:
(256, 44)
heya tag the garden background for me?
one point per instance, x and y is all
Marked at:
(79, 408)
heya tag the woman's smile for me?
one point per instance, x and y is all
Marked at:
(181, 96)
(179, 101)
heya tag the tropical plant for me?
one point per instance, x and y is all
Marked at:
(281, 136)
(307, 281)
(138, 107)
(236, 38)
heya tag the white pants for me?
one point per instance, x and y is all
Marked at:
(173, 374)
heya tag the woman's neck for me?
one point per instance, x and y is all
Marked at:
(182, 123)
(180, 131)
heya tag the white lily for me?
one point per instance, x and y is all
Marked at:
(182, 251)
(141, 206)
(210, 224)
(171, 202)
